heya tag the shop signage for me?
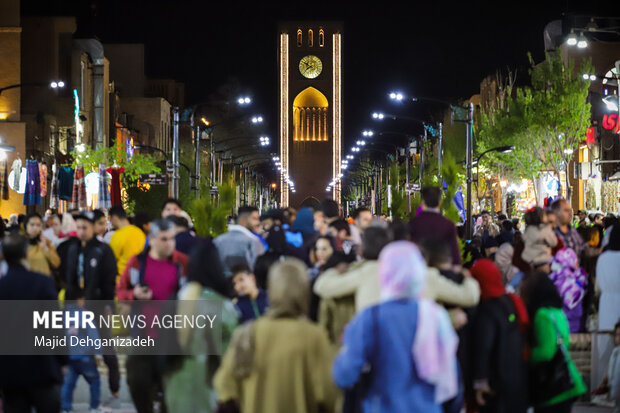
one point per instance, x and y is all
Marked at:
(590, 136)
(154, 179)
(412, 188)
(610, 122)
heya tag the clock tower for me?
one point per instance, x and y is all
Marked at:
(310, 59)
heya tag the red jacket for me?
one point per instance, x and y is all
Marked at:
(124, 287)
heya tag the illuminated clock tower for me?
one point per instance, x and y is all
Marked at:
(310, 110)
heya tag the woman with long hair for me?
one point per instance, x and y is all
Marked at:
(189, 386)
(549, 330)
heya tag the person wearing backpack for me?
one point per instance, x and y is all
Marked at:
(157, 273)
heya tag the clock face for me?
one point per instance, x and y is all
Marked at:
(310, 66)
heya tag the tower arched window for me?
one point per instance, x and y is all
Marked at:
(300, 39)
(310, 38)
(321, 38)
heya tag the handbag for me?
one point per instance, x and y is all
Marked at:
(551, 378)
(354, 396)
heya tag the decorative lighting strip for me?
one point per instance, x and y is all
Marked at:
(337, 91)
(284, 118)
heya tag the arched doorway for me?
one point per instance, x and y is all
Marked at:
(310, 116)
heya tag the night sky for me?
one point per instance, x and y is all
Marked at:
(429, 48)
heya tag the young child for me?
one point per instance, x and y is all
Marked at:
(539, 239)
(251, 301)
(82, 361)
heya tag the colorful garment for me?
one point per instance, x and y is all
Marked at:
(571, 282)
(115, 186)
(103, 200)
(32, 195)
(79, 189)
(43, 178)
(54, 200)
(402, 275)
(65, 183)
(17, 172)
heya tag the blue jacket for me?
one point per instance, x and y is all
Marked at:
(382, 336)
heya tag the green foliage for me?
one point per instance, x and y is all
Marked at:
(210, 214)
(449, 171)
(545, 122)
(398, 208)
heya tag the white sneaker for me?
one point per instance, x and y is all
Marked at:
(113, 403)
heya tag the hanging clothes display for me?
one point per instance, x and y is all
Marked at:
(103, 200)
(115, 186)
(54, 200)
(17, 172)
(65, 183)
(43, 179)
(79, 189)
(32, 196)
(4, 179)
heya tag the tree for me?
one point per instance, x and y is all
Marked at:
(133, 166)
(545, 122)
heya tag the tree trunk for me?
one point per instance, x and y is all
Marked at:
(535, 190)
(569, 189)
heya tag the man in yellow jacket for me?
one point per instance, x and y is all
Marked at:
(128, 240)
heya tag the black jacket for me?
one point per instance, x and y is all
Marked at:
(99, 266)
(28, 371)
(498, 355)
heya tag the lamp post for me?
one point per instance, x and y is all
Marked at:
(469, 121)
(500, 149)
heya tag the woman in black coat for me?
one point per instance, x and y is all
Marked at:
(499, 368)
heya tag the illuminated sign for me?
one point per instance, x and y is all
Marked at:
(590, 136)
(76, 115)
(610, 122)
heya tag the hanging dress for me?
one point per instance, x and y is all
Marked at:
(79, 189)
(17, 171)
(65, 183)
(115, 186)
(54, 200)
(43, 179)
(103, 200)
(32, 196)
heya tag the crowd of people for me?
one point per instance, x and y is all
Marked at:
(327, 313)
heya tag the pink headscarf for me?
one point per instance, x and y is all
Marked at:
(402, 275)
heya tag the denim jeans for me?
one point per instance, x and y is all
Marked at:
(86, 367)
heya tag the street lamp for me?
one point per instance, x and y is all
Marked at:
(244, 100)
(378, 115)
(583, 42)
(54, 84)
(367, 133)
(257, 119)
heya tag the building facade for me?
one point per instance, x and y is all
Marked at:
(310, 81)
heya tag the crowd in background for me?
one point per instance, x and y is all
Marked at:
(322, 312)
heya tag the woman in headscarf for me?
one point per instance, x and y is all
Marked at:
(499, 371)
(189, 384)
(408, 341)
(42, 256)
(571, 282)
(279, 363)
(549, 330)
(608, 287)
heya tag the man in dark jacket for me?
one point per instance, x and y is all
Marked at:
(431, 224)
(88, 263)
(27, 381)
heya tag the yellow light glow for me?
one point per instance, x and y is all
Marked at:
(284, 116)
(503, 183)
(337, 94)
(4, 116)
(205, 121)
